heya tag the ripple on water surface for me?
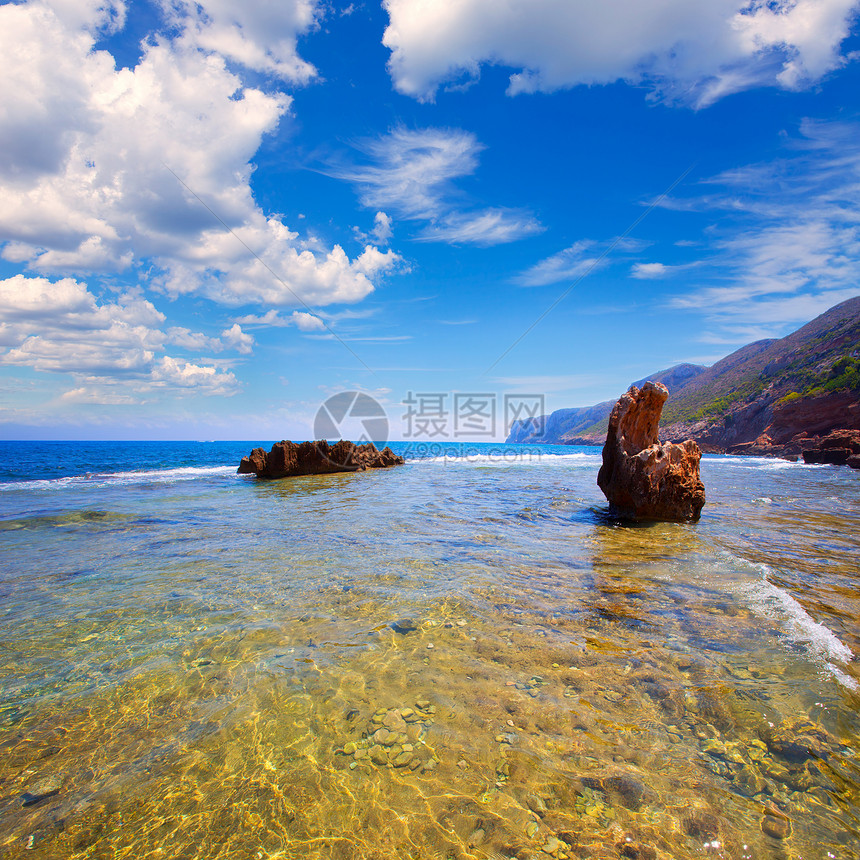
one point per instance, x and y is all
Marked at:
(432, 662)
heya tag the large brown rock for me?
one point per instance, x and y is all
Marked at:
(642, 478)
(836, 448)
(288, 459)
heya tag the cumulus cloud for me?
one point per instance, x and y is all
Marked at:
(412, 171)
(382, 228)
(694, 52)
(260, 36)
(106, 168)
(61, 327)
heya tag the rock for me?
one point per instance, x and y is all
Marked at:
(404, 626)
(629, 791)
(536, 805)
(477, 837)
(288, 459)
(403, 759)
(701, 825)
(776, 825)
(378, 755)
(836, 448)
(641, 478)
(394, 721)
(854, 461)
(637, 851)
(552, 845)
(41, 789)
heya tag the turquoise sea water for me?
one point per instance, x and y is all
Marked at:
(461, 657)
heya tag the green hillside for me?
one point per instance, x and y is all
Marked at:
(819, 358)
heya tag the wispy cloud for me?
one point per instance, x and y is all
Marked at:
(787, 245)
(566, 265)
(412, 172)
(487, 227)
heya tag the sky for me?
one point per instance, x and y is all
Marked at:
(216, 216)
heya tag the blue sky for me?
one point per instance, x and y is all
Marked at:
(213, 216)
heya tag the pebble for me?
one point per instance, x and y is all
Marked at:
(378, 755)
(350, 748)
(41, 790)
(776, 827)
(552, 845)
(404, 625)
(476, 837)
(403, 759)
(536, 805)
(532, 829)
(394, 721)
(462, 623)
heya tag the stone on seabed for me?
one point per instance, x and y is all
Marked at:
(641, 478)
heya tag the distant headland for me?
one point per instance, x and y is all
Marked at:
(773, 397)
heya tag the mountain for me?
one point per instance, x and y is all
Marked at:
(764, 398)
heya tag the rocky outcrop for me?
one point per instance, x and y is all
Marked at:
(641, 478)
(288, 459)
(839, 448)
(767, 398)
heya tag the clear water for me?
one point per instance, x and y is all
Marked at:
(195, 664)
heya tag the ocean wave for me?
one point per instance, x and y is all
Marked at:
(105, 479)
(768, 463)
(508, 458)
(818, 640)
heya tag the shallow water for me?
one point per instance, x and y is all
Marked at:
(461, 657)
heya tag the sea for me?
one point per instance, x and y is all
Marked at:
(461, 657)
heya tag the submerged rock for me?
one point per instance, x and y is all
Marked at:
(641, 478)
(289, 459)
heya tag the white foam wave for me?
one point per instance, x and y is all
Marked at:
(768, 463)
(819, 641)
(155, 476)
(510, 458)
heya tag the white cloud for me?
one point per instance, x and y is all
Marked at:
(61, 327)
(649, 271)
(787, 245)
(300, 319)
(307, 322)
(258, 35)
(382, 228)
(566, 265)
(105, 168)
(487, 227)
(413, 173)
(696, 52)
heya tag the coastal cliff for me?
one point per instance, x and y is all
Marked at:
(770, 397)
